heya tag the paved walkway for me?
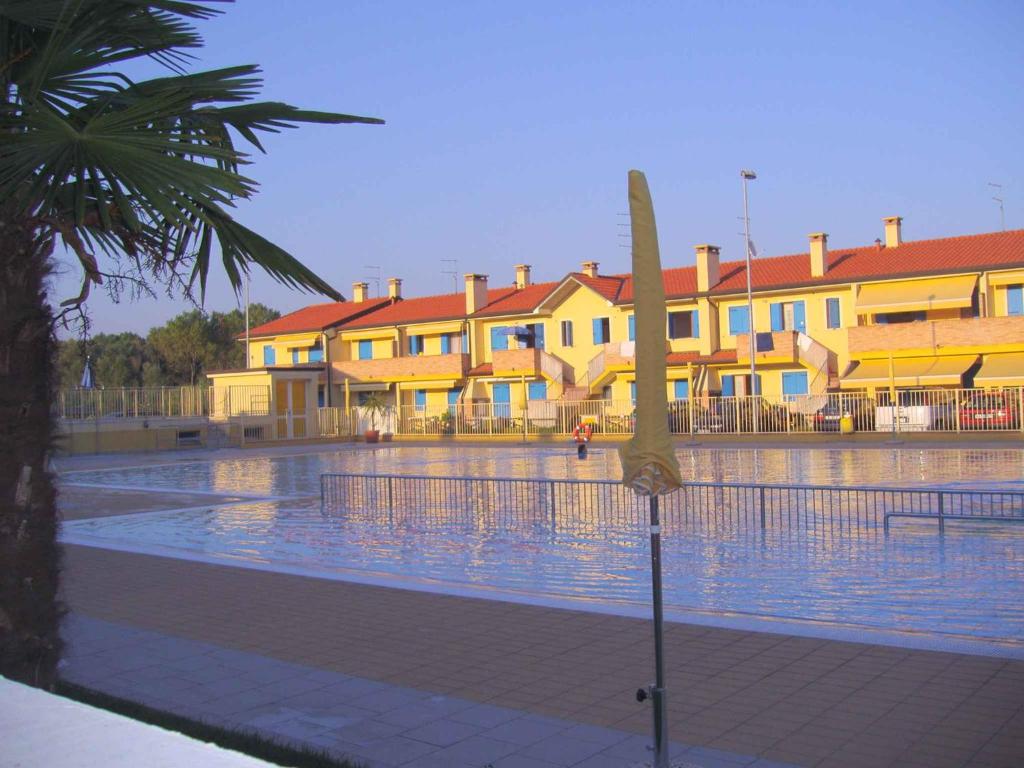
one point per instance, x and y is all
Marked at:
(750, 695)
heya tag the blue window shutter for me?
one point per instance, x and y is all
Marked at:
(739, 320)
(794, 383)
(366, 349)
(538, 335)
(632, 327)
(421, 399)
(501, 395)
(832, 313)
(778, 321)
(598, 335)
(757, 383)
(295, 357)
(695, 323)
(800, 316)
(1015, 300)
(682, 389)
(269, 357)
(316, 354)
(537, 390)
(446, 344)
(499, 341)
(453, 396)
(728, 386)
(632, 391)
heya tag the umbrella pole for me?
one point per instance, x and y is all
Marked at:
(658, 691)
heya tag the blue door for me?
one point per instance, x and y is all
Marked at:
(366, 349)
(778, 319)
(1015, 300)
(446, 344)
(421, 399)
(538, 335)
(729, 386)
(681, 389)
(501, 395)
(453, 398)
(800, 316)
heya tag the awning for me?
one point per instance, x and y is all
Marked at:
(1006, 278)
(917, 295)
(1001, 371)
(367, 386)
(909, 372)
(302, 342)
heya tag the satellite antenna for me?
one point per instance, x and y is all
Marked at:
(453, 272)
(1002, 216)
(375, 278)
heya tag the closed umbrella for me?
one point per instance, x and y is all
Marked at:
(649, 464)
(87, 377)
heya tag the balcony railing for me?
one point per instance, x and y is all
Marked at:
(937, 334)
(454, 366)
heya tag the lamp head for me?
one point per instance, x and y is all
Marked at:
(750, 175)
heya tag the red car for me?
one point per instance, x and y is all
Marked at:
(991, 410)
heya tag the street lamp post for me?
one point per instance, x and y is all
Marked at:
(749, 176)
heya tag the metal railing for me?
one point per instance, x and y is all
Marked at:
(132, 403)
(517, 503)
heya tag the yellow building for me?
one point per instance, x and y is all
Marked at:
(918, 314)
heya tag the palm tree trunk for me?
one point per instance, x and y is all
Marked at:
(30, 612)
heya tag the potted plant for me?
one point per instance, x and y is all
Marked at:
(375, 406)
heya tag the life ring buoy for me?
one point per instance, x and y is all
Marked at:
(582, 435)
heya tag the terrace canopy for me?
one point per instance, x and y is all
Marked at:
(1006, 370)
(916, 295)
(909, 372)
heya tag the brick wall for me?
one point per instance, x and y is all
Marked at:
(390, 368)
(938, 335)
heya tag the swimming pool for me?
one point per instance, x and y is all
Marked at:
(967, 583)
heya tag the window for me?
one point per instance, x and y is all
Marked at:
(366, 349)
(832, 319)
(420, 396)
(632, 391)
(320, 399)
(499, 338)
(739, 320)
(295, 357)
(416, 345)
(465, 341)
(453, 343)
(1015, 299)
(683, 325)
(789, 316)
(316, 353)
(632, 327)
(602, 330)
(534, 338)
(567, 333)
(446, 344)
(453, 398)
(681, 389)
(794, 383)
(729, 384)
(606, 392)
(537, 390)
(269, 356)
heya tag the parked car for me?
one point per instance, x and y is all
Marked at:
(860, 407)
(990, 410)
(827, 418)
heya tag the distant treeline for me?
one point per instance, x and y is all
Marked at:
(177, 353)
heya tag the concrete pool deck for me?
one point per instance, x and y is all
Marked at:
(775, 697)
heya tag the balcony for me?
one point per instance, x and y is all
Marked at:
(613, 358)
(424, 367)
(967, 335)
(530, 363)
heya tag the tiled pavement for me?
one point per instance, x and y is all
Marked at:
(775, 697)
(367, 721)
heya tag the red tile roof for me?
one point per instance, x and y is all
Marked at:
(910, 259)
(484, 369)
(423, 309)
(517, 300)
(316, 317)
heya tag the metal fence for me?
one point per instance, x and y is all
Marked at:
(511, 503)
(133, 403)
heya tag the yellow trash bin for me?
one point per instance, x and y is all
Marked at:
(846, 424)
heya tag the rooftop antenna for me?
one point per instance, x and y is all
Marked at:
(453, 272)
(1002, 216)
(628, 235)
(375, 278)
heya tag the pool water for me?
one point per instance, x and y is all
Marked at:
(968, 582)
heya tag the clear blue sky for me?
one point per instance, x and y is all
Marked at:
(511, 128)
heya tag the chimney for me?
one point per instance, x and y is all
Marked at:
(476, 292)
(359, 292)
(394, 287)
(819, 253)
(893, 231)
(589, 268)
(707, 266)
(522, 275)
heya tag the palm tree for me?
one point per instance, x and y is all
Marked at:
(136, 179)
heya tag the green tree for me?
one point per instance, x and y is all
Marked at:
(136, 178)
(226, 328)
(184, 346)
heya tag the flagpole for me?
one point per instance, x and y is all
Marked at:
(248, 362)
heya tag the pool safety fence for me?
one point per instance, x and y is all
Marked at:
(572, 505)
